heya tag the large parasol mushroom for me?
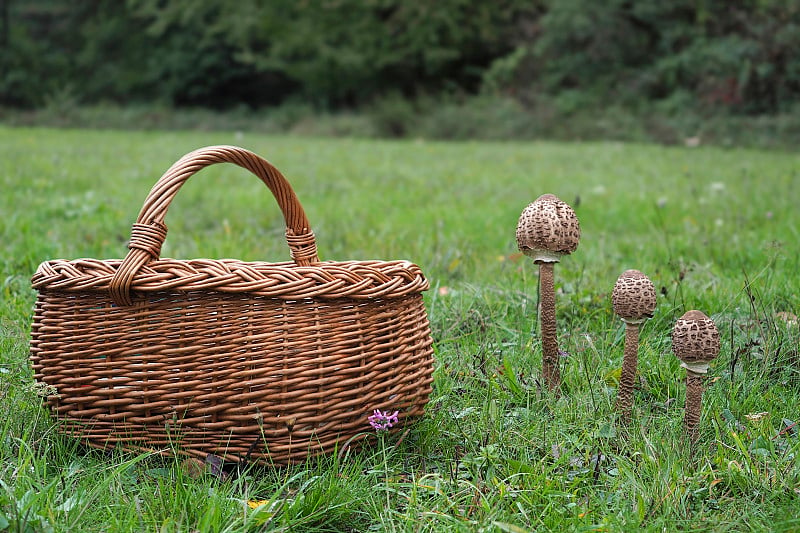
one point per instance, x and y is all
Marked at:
(695, 341)
(634, 300)
(548, 229)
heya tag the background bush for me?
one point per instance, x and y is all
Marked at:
(714, 55)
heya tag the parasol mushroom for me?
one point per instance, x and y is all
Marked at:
(634, 300)
(548, 229)
(695, 341)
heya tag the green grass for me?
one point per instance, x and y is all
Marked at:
(716, 230)
(485, 117)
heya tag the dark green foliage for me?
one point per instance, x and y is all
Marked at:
(707, 56)
(344, 52)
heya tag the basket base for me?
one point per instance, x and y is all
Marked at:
(231, 449)
(229, 374)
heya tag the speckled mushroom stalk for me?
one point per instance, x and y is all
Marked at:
(695, 341)
(634, 300)
(548, 229)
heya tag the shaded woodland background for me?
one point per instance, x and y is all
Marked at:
(663, 69)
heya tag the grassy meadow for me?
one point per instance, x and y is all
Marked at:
(716, 230)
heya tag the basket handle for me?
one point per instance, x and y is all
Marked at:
(149, 231)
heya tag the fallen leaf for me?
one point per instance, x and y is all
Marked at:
(214, 465)
(193, 467)
(789, 318)
(255, 504)
(613, 376)
(265, 510)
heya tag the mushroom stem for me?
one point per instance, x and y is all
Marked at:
(628, 375)
(694, 401)
(547, 318)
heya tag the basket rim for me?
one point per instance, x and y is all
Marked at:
(286, 280)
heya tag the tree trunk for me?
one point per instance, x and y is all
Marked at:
(4, 14)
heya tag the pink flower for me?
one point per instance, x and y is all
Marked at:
(381, 421)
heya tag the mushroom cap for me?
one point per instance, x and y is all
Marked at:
(695, 338)
(634, 296)
(547, 229)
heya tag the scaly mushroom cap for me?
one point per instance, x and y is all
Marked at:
(695, 341)
(634, 296)
(547, 229)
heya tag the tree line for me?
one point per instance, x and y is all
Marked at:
(737, 56)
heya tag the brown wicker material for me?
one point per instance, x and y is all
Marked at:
(279, 361)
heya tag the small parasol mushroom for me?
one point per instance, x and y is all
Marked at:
(634, 300)
(548, 229)
(695, 341)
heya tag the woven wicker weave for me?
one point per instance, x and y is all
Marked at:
(276, 361)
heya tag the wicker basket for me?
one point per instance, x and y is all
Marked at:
(272, 361)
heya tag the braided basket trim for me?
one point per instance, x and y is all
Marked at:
(285, 280)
